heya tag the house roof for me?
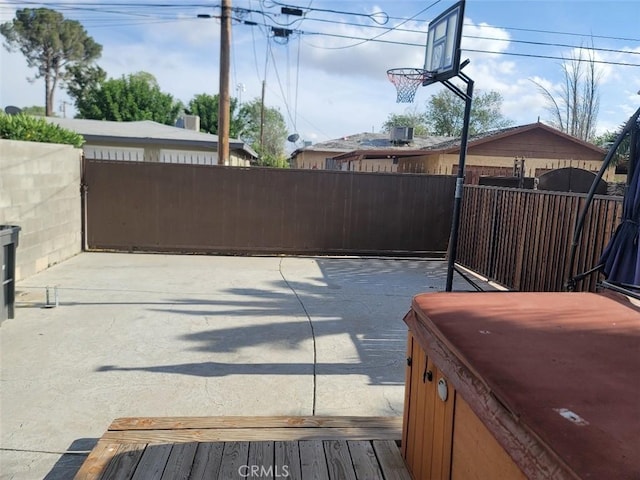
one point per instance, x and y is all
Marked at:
(145, 131)
(452, 145)
(376, 154)
(368, 141)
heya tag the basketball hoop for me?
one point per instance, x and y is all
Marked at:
(407, 81)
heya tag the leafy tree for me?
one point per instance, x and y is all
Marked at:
(271, 147)
(411, 118)
(51, 44)
(445, 113)
(608, 138)
(126, 99)
(206, 107)
(575, 109)
(35, 110)
(81, 80)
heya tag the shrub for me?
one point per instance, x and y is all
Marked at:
(36, 129)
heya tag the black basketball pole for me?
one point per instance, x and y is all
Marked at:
(457, 203)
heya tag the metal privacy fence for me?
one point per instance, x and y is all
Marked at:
(211, 209)
(522, 238)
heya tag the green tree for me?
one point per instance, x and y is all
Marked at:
(34, 110)
(206, 107)
(271, 145)
(81, 80)
(126, 99)
(445, 113)
(51, 44)
(411, 118)
(607, 139)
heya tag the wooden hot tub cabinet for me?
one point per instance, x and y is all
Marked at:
(535, 385)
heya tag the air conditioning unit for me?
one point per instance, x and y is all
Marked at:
(401, 134)
(189, 122)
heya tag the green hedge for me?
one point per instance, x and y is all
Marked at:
(36, 129)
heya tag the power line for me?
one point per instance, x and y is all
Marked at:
(527, 42)
(551, 57)
(381, 18)
(95, 7)
(479, 37)
(590, 35)
(375, 38)
(362, 40)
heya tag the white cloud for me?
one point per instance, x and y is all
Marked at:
(370, 59)
(485, 37)
(338, 91)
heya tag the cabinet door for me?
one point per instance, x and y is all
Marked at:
(428, 420)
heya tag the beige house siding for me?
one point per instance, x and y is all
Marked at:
(165, 153)
(371, 165)
(312, 160)
(534, 167)
(428, 164)
(443, 164)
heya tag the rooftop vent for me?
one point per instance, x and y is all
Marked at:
(401, 135)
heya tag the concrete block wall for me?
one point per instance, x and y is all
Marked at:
(40, 192)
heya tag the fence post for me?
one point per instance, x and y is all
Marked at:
(493, 244)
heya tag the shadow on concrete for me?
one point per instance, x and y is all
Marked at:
(68, 464)
(365, 300)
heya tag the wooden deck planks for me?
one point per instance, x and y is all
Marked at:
(153, 462)
(322, 448)
(262, 454)
(207, 461)
(287, 459)
(124, 462)
(248, 434)
(339, 461)
(365, 463)
(254, 423)
(180, 461)
(391, 463)
(97, 461)
(313, 463)
(234, 457)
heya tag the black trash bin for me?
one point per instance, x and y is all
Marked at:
(8, 243)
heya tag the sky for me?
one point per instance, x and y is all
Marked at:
(328, 77)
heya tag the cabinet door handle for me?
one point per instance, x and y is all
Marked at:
(427, 375)
(408, 361)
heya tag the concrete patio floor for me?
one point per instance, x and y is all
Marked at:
(174, 335)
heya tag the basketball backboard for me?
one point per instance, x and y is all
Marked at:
(443, 44)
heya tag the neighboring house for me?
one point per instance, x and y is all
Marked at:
(360, 152)
(147, 141)
(537, 147)
(540, 147)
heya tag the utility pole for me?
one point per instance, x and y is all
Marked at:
(63, 108)
(224, 101)
(262, 121)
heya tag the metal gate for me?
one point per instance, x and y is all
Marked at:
(213, 209)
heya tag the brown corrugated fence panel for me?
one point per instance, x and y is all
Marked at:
(197, 208)
(522, 238)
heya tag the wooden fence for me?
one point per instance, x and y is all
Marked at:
(522, 238)
(212, 209)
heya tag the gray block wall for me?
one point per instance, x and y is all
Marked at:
(40, 192)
